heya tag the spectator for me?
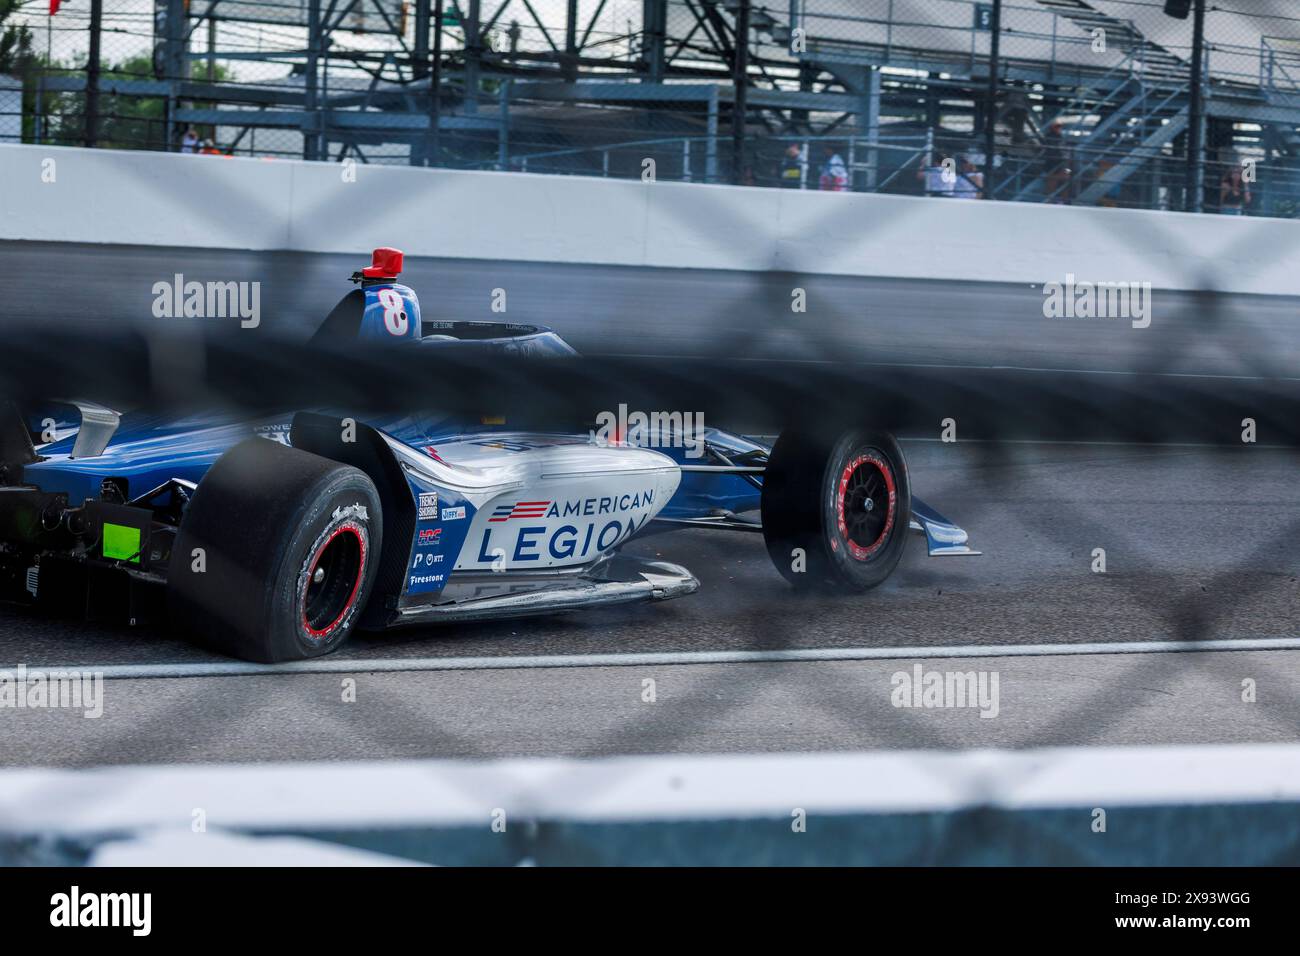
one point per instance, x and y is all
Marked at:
(834, 174)
(1234, 192)
(970, 181)
(1113, 194)
(1056, 161)
(209, 148)
(190, 141)
(792, 167)
(940, 178)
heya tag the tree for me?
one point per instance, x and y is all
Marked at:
(16, 57)
(125, 122)
(15, 40)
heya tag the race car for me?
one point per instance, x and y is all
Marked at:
(274, 540)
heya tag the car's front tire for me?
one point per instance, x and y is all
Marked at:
(277, 553)
(836, 508)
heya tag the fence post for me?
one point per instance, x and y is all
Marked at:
(889, 32)
(1051, 67)
(991, 120)
(503, 131)
(711, 149)
(38, 114)
(435, 89)
(310, 141)
(173, 65)
(92, 73)
(740, 83)
(420, 70)
(1195, 117)
(872, 108)
(472, 23)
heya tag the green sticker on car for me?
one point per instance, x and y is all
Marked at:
(121, 543)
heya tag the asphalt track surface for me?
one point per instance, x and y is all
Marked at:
(692, 311)
(1200, 545)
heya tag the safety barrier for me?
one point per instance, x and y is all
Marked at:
(128, 198)
(1212, 805)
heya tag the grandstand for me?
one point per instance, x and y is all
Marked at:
(1092, 100)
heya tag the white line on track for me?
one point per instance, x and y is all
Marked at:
(346, 665)
(977, 368)
(1157, 446)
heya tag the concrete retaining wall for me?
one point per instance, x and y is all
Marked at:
(139, 198)
(1117, 806)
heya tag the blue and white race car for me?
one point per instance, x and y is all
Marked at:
(274, 540)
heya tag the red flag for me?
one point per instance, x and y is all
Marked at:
(54, 6)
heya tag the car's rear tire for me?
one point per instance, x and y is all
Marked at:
(836, 508)
(277, 553)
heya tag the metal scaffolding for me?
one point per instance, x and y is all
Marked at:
(1055, 100)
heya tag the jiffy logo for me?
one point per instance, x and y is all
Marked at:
(1075, 299)
(208, 300)
(75, 909)
(652, 430)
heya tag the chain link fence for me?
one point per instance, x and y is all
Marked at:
(1187, 611)
(1091, 101)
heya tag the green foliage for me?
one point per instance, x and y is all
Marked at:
(1285, 208)
(131, 122)
(15, 40)
(125, 122)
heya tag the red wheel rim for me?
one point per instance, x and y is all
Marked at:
(862, 484)
(333, 580)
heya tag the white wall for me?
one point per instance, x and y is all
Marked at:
(103, 196)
